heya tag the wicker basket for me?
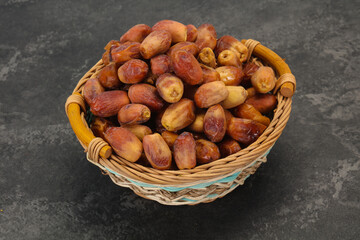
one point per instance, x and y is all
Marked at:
(204, 183)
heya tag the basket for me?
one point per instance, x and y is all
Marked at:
(204, 183)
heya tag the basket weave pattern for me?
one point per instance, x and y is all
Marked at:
(204, 183)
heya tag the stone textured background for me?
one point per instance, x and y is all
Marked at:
(309, 189)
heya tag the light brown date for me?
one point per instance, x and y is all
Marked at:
(230, 43)
(228, 58)
(140, 131)
(133, 113)
(228, 147)
(206, 151)
(245, 131)
(191, 33)
(237, 95)
(109, 103)
(230, 75)
(136, 34)
(169, 138)
(206, 36)
(210, 94)
(170, 87)
(209, 74)
(207, 57)
(99, 126)
(124, 143)
(108, 76)
(146, 94)
(187, 46)
(133, 71)
(215, 123)
(184, 151)
(179, 115)
(157, 151)
(186, 67)
(92, 88)
(125, 52)
(250, 92)
(160, 64)
(249, 112)
(264, 103)
(198, 124)
(177, 30)
(155, 43)
(263, 80)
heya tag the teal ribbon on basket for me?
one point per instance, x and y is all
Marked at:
(197, 186)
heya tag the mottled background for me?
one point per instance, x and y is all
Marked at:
(309, 189)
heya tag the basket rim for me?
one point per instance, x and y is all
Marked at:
(207, 172)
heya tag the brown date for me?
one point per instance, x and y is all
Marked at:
(136, 34)
(191, 33)
(230, 75)
(215, 123)
(198, 124)
(134, 113)
(160, 64)
(206, 36)
(157, 151)
(209, 74)
(184, 151)
(228, 147)
(133, 71)
(146, 94)
(206, 151)
(228, 58)
(155, 43)
(112, 44)
(186, 67)
(187, 46)
(263, 80)
(99, 126)
(170, 87)
(92, 88)
(108, 76)
(169, 138)
(237, 95)
(106, 57)
(207, 57)
(245, 131)
(109, 103)
(264, 103)
(210, 94)
(177, 30)
(228, 116)
(125, 52)
(249, 69)
(179, 115)
(158, 126)
(140, 131)
(249, 112)
(124, 143)
(230, 43)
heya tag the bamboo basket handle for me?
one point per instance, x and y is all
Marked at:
(286, 82)
(72, 108)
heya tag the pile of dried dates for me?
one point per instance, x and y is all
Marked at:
(176, 92)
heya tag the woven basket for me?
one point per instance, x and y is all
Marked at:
(204, 183)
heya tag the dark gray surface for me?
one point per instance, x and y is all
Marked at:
(309, 189)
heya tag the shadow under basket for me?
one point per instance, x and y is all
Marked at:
(204, 183)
